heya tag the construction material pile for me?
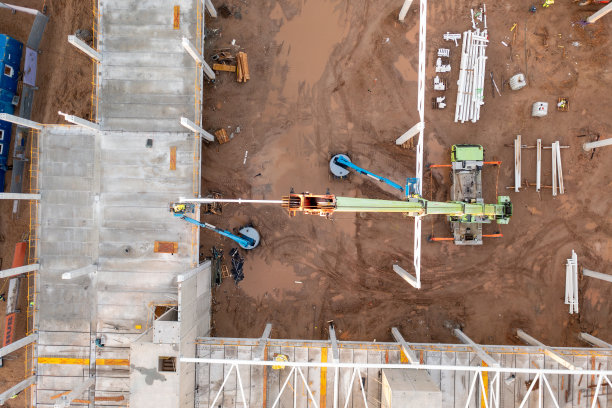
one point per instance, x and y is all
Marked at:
(237, 265)
(571, 283)
(470, 95)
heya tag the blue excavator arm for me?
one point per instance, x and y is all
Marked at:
(341, 161)
(243, 241)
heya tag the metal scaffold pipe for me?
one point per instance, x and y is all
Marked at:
(228, 200)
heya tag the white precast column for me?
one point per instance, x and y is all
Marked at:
(16, 345)
(477, 348)
(197, 129)
(406, 276)
(19, 196)
(258, 353)
(195, 54)
(78, 121)
(597, 275)
(555, 356)
(415, 130)
(20, 121)
(211, 8)
(84, 47)
(404, 346)
(16, 389)
(404, 10)
(7, 273)
(594, 340)
(594, 17)
(599, 143)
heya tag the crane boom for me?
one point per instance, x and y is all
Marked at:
(325, 205)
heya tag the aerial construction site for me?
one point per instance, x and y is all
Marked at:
(305, 203)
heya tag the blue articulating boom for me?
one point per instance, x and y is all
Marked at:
(344, 162)
(243, 240)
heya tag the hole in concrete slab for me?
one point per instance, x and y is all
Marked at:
(127, 250)
(149, 143)
(167, 364)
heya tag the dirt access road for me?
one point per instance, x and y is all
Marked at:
(64, 81)
(339, 76)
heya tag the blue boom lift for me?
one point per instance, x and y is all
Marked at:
(340, 164)
(248, 239)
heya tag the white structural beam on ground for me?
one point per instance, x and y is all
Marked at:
(7, 273)
(19, 8)
(195, 54)
(571, 283)
(557, 150)
(539, 166)
(78, 121)
(258, 352)
(80, 272)
(594, 340)
(18, 344)
(72, 39)
(599, 14)
(599, 143)
(211, 8)
(404, 10)
(554, 170)
(415, 130)
(16, 389)
(547, 350)
(476, 348)
(597, 275)
(19, 196)
(20, 121)
(227, 200)
(184, 276)
(517, 163)
(197, 129)
(66, 400)
(419, 152)
(404, 346)
(406, 276)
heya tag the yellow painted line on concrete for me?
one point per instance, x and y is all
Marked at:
(485, 382)
(323, 387)
(83, 361)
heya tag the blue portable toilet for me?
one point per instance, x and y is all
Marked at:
(10, 62)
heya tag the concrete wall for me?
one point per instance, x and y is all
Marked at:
(194, 319)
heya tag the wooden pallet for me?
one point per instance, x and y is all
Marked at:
(222, 136)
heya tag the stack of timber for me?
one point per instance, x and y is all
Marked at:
(242, 70)
(222, 136)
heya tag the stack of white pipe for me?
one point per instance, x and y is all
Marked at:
(470, 86)
(571, 283)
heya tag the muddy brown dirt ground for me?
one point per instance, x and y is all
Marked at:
(339, 76)
(64, 81)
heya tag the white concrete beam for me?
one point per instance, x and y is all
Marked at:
(555, 356)
(406, 276)
(81, 122)
(258, 353)
(334, 344)
(599, 143)
(192, 50)
(404, 10)
(85, 48)
(16, 389)
(197, 129)
(80, 272)
(184, 276)
(594, 340)
(16, 345)
(19, 8)
(19, 196)
(211, 8)
(597, 275)
(20, 121)
(415, 130)
(596, 16)
(405, 346)
(477, 348)
(65, 400)
(7, 273)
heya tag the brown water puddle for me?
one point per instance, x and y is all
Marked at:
(308, 41)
